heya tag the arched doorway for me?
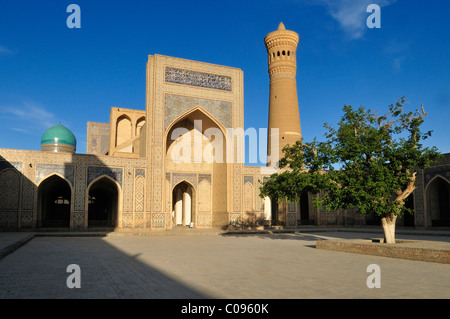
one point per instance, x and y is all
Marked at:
(274, 210)
(103, 203)
(408, 218)
(54, 203)
(304, 209)
(196, 142)
(183, 204)
(267, 209)
(438, 202)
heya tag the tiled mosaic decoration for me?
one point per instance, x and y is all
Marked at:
(204, 196)
(139, 194)
(127, 220)
(200, 79)
(139, 220)
(189, 177)
(248, 197)
(292, 219)
(26, 220)
(78, 220)
(44, 170)
(158, 88)
(176, 105)
(96, 171)
(235, 218)
(9, 190)
(8, 220)
(14, 165)
(204, 220)
(158, 220)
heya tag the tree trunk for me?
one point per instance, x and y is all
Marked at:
(388, 224)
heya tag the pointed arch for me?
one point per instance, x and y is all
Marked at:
(184, 204)
(437, 202)
(184, 181)
(124, 131)
(55, 174)
(212, 159)
(186, 114)
(139, 124)
(197, 119)
(437, 176)
(55, 203)
(103, 203)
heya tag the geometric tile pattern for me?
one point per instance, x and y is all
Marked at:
(176, 105)
(148, 220)
(168, 192)
(174, 86)
(248, 197)
(27, 194)
(158, 88)
(204, 196)
(139, 194)
(248, 179)
(194, 78)
(204, 177)
(74, 168)
(235, 218)
(204, 220)
(139, 172)
(44, 170)
(26, 219)
(127, 193)
(291, 207)
(158, 220)
(9, 190)
(96, 171)
(15, 165)
(419, 203)
(139, 220)
(189, 177)
(8, 220)
(127, 220)
(78, 220)
(292, 219)
(168, 220)
(442, 171)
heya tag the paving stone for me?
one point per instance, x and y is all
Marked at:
(265, 266)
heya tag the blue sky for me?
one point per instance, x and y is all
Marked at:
(50, 73)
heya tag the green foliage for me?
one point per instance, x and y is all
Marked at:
(367, 162)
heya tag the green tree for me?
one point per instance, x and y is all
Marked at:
(369, 162)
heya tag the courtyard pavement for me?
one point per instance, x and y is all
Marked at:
(212, 265)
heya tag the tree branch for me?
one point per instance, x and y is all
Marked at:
(402, 195)
(421, 115)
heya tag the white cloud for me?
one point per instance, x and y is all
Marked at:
(27, 117)
(350, 14)
(20, 130)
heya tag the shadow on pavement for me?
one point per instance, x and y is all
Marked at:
(39, 269)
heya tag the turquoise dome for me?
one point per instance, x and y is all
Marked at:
(59, 134)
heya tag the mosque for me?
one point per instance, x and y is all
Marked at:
(176, 165)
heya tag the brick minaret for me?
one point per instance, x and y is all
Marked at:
(281, 48)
